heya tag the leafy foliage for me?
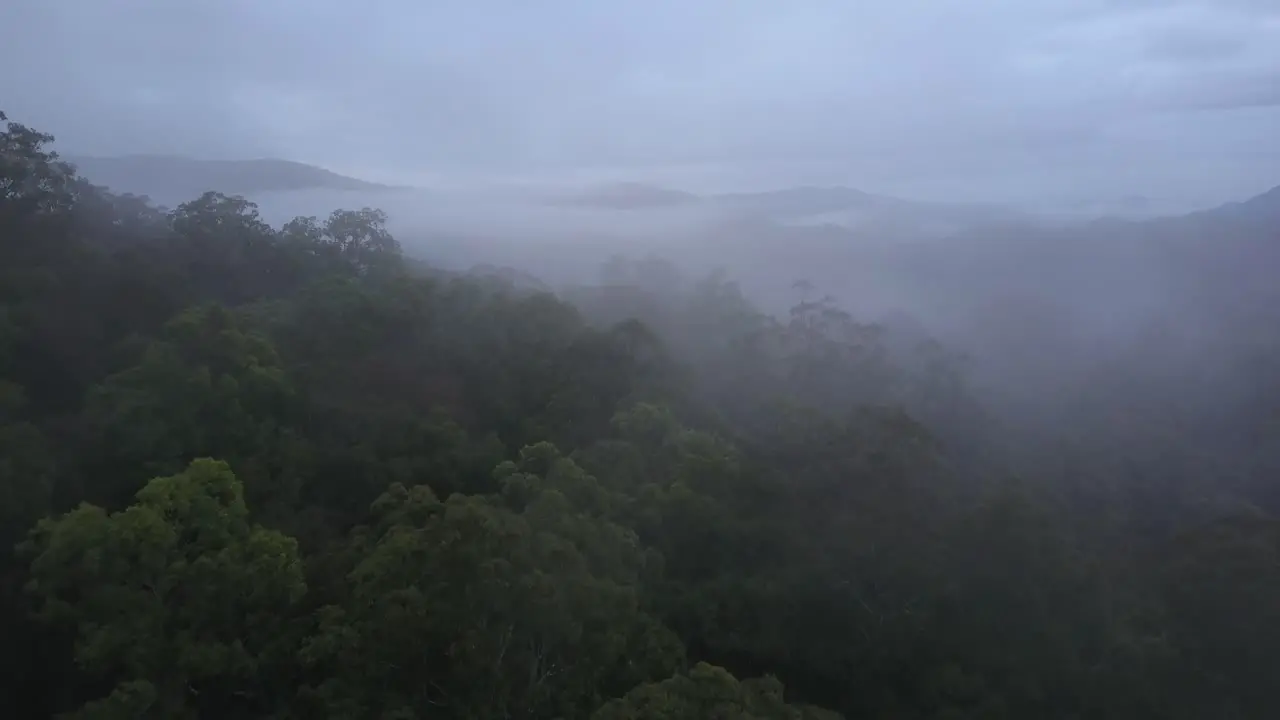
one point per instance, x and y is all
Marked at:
(380, 492)
(176, 599)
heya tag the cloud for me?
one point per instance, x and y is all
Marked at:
(892, 91)
(1196, 44)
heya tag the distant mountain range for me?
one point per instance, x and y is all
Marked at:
(828, 212)
(1262, 209)
(790, 202)
(1090, 278)
(169, 179)
(847, 210)
(840, 207)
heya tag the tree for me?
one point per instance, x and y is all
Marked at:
(707, 692)
(361, 239)
(806, 496)
(348, 243)
(179, 601)
(27, 470)
(1221, 583)
(32, 178)
(207, 387)
(524, 605)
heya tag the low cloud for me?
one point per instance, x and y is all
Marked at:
(894, 91)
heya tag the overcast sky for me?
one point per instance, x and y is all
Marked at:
(964, 98)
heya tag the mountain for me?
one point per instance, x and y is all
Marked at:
(786, 203)
(1261, 210)
(171, 179)
(1104, 272)
(878, 216)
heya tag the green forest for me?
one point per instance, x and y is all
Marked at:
(249, 472)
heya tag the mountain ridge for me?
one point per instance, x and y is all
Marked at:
(179, 178)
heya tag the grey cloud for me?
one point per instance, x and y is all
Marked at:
(1195, 44)
(893, 91)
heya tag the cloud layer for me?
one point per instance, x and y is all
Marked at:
(929, 97)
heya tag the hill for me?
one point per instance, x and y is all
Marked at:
(172, 178)
(278, 473)
(1261, 210)
(839, 207)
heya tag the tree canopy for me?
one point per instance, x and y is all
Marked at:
(249, 472)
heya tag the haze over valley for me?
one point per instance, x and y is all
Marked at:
(874, 252)
(911, 360)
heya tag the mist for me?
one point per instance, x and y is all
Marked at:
(626, 361)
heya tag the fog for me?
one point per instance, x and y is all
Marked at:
(1064, 109)
(925, 353)
(1048, 114)
(1061, 99)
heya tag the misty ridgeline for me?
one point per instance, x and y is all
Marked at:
(296, 472)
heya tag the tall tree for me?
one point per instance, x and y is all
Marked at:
(180, 604)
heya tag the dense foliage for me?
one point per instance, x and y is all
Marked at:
(288, 473)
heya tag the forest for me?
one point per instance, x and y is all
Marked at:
(249, 472)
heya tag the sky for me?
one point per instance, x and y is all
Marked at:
(958, 99)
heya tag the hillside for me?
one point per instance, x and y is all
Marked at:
(1099, 274)
(172, 178)
(1261, 210)
(264, 473)
(839, 207)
